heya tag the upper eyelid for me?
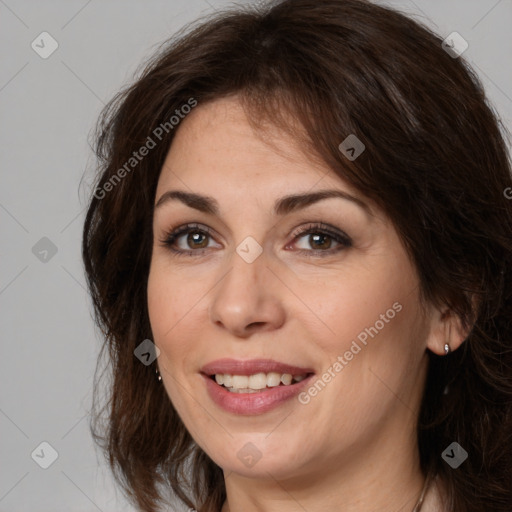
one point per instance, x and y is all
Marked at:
(303, 226)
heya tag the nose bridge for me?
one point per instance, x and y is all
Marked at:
(247, 272)
(245, 295)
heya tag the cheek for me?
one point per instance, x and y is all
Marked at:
(363, 306)
(379, 337)
(374, 325)
(170, 298)
(175, 308)
(160, 302)
(166, 308)
(166, 305)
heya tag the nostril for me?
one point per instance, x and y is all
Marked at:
(255, 324)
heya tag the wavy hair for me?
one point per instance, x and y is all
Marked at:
(436, 162)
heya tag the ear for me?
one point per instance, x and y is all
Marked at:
(446, 327)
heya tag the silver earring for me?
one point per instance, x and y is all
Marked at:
(158, 376)
(446, 349)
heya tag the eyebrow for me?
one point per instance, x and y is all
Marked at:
(282, 206)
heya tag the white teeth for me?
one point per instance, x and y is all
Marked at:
(273, 379)
(256, 382)
(286, 379)
(240, 381)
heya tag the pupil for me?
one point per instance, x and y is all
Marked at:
(194, 236)
(317, 236)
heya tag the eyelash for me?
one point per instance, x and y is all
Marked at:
(316, 228)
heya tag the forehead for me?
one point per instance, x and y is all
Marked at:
(216, 146)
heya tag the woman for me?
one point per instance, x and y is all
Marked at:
(299, 251)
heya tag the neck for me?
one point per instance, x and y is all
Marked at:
(435, 497)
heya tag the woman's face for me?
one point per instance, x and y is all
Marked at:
(253, 288)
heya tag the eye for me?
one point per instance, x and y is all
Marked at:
(197, 239)
(322, 239)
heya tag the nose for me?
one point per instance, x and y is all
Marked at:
(248, 298)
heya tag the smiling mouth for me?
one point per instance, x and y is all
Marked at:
(257, 382)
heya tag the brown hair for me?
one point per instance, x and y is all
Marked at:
(435, 161)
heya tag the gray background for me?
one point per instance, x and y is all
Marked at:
(48, 107)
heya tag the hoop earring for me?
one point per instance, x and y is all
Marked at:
(158, 376)
(446, 349)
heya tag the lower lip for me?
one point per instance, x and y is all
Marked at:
(253, 403)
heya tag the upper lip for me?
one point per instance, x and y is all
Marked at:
(251, 366)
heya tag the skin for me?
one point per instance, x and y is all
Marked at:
(353, 446)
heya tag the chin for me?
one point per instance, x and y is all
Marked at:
(253, 458)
